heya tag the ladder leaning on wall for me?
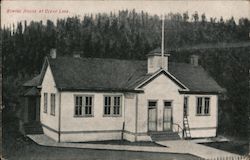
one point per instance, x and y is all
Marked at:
(187, 134)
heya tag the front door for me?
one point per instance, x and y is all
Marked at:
(152, 116)
(167, 116)
(32, 108)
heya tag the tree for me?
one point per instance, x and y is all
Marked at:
(203, 18)
(195, 16)
(185, 17)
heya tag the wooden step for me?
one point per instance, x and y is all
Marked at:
(33, 128)
(160, 136)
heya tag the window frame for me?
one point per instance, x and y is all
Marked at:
(83, 105)
(117, 105)
(112, 106)
(209, 106)
(197, 106)
(187, 105)
(45, 99)
(53, 104)
(87, 106)
(108, 105)
(169, 101)
(203, 107)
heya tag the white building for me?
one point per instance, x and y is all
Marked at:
(92, 99)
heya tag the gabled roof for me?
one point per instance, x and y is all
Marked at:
(95, 74)
(33, 82)
(166, 73)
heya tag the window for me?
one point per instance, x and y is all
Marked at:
(112, 105)
(152, 103)
(45, 102)
(84, 106)
(117, 105)
(186, 106)
(107, 105)
(199, 105)
(206, 107)
(53, 104)
(88, 105)
(203, 105)
(78, 105)
(167, 104)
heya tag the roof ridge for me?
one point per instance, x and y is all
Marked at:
(97, 58)
(115, 59)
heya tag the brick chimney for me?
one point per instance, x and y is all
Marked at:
(194, 60)
(53, 53)
(156, 61)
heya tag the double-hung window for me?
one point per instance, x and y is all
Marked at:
(52, 104)
(45, 102)
(206, 105)
(199, 105)
(112, 105)
(88, 105)
(83, 105)
(117, 105)
(107, 105)
(203, 106)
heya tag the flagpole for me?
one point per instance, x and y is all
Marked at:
(162, 43)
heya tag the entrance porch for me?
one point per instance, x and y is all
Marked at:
(167, 129)
(31, 119)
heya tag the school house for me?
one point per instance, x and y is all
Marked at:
(93, 99)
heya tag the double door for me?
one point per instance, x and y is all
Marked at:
(153, 119)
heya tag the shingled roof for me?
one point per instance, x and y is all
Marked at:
(96, 73)
(34, 91)
(93, 74)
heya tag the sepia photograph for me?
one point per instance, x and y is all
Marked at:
(125, 80)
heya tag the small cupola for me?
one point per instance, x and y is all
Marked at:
(157, 61)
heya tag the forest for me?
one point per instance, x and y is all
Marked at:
(129, 34)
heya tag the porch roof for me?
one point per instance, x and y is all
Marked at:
(32, 92)
(33, 82)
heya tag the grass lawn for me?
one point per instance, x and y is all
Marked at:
(25, 149)
(40, 152)
(17, 147)
(238, 147)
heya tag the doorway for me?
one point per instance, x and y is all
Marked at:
(152, 116)
(167, 116)
(32, 109)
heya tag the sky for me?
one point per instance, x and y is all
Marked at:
(14, 11)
